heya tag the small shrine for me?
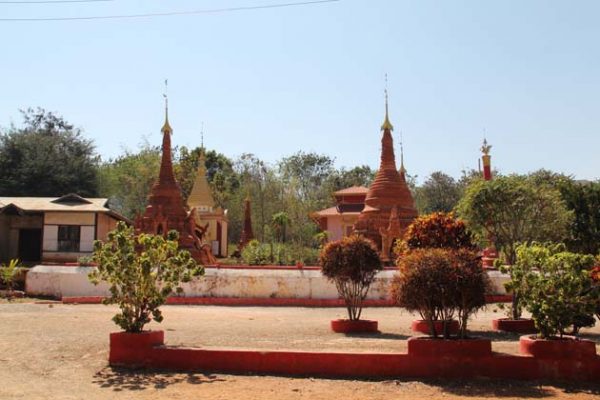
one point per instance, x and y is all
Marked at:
(389, 206)
(211, 219)
(338, 221)
(166, 210)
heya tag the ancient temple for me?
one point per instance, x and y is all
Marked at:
(213, 220)
(166, 210)
(389, 206)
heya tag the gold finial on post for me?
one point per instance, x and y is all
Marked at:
(386, 123)
(166, 127)
(402, 169)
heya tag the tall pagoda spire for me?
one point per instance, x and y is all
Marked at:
(387, 125)
(201, 194)
(389, 202)
(166, 176)
(402, 169)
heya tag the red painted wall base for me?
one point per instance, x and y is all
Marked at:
(445, 364)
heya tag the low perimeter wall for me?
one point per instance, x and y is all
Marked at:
(149, 351)
(234, 282)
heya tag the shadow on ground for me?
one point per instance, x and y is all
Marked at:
(481, 388)
(121, 379)
(381, 335)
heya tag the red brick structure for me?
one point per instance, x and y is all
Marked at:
(166, 209)
(389, 205)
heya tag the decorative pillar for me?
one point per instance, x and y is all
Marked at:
(489, 254)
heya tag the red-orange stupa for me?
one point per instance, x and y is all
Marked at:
(389, 205)
(166, 210)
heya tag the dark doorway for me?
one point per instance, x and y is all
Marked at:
(30, 245)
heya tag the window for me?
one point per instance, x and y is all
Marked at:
(68, 238)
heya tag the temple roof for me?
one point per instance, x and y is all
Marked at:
(201, 194)
(353, 190)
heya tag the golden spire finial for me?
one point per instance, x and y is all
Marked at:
(402, 169)
(166, 127)
(386, 123)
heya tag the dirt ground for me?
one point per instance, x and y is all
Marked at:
(55, 351)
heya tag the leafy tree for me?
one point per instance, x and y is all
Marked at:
(512, 210)
(440, 192)
(47, 156)
(362, 175)
(307, 172)
(127, 180)
(351, 263)
(583, 199)
(142, 272)
(559, 287)
(280, 222)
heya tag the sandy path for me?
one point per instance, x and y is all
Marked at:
(60, 352)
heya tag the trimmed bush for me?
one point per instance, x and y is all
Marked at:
(351, 263)
(440, 284)
(438, 230)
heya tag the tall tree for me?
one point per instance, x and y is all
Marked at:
(514, 209)
(47, 156)
(439, 193)
(127, 180)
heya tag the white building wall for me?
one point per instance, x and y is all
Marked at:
(59, 281)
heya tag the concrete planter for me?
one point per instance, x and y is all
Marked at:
(422, 326)
(133, 349)
(567, 348)
(453, 348)
(522, 325)
(350, 326)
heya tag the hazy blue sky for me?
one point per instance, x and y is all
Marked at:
(275, 81)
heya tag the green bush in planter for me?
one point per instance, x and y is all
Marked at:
(142, 271)
(351, 263)
(559, 291)
(439, 284)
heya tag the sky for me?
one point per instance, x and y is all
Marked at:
(273, 81)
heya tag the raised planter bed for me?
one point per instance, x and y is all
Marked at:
(133, 349)
(456, 360)
(523, 325)
(426, 346)
(567, 348)
(422, 326)
(349, 326)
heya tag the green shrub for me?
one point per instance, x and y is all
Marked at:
(558, 288)
(351, 263)
(8, 276)
(142, 271)
(255, 253)
(439, 284)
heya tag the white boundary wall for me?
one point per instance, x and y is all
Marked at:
(62, 281)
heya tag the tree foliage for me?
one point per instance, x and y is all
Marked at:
(439, 193)
(514, 209)
(437, 230)
(559, 287)
(440, 283)
(351, 263)
(142, 271)
(46, 157)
